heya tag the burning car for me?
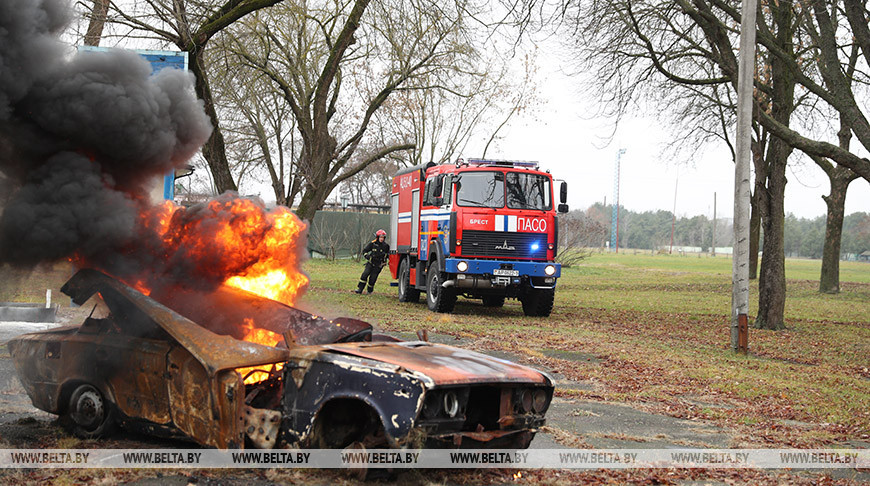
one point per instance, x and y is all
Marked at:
(182, 363)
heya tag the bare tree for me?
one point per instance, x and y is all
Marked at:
(260, 129)
(311, 52)
(578, 235)
(686, 49)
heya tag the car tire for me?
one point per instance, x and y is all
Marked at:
(438, 298)
(538, 302)
(89, 414)
(493, 300)
(407, 293)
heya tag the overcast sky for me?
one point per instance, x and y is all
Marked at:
(569, 141)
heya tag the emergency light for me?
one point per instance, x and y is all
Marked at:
(505, 163)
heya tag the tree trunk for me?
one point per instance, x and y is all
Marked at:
(214, 150)
(97, 22)
(756, 200)
(317, 153)
(829, 282)
(754, 233)
(771, 286)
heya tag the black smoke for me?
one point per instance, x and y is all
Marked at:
(81, 138)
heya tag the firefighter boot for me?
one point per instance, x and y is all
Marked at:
(359, 288)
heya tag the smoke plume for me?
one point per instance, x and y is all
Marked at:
(81, 138)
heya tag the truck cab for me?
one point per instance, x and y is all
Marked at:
(485, 229)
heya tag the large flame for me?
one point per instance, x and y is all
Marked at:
(232, 241)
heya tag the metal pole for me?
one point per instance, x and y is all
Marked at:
(674, 217)
(713, 238)
(740, 258)
(614, 218)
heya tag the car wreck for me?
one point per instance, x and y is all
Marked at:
(178, 364)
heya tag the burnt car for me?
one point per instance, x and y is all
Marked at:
(178, 364)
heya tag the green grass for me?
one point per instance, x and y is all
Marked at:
(658, 327)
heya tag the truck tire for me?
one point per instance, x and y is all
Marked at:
(493, 300)
(538, 302)
(407, 293)
(439, 299)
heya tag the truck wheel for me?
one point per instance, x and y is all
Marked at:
(493, 300)
(439, 299)
(407, 293)
(538, 302)
(89, 415)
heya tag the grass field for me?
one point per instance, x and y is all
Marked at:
(655, 330)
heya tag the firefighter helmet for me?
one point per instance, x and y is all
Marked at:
(380, 232)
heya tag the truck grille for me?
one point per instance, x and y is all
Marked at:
(500, 244)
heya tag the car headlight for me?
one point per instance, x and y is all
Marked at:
(539, 401)
(526, 399)
(451, 404)
(462, 266)
(432, 405)
(550, 270)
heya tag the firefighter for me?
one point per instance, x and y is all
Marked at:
(376, 254)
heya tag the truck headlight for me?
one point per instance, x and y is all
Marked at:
(550, 270)
(462, 266)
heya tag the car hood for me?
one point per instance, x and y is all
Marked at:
(214, 351)
(444, 365)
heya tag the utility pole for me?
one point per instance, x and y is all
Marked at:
(614, 217)
(674, 216)
(713, 238)
(740, 258)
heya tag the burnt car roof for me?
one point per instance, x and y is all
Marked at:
(214, 351)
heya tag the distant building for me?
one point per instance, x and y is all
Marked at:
(864, 257)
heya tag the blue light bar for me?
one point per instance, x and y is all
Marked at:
(507, 163)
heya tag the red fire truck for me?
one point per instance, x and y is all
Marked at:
(486, 229)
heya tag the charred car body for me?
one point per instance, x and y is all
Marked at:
(182, 368)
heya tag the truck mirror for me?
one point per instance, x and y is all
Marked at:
(563, 194)
(563, 208)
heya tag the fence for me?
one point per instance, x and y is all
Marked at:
(343, 234)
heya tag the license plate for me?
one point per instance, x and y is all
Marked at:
(506, 273)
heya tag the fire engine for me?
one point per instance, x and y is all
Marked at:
(485, 229)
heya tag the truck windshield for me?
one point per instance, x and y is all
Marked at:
(487, 190)
(528, 191)
(480, 189)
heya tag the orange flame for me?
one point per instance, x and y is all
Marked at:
(239, 242)
(259, 336)
(234, 241)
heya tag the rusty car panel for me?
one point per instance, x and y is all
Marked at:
(445, 365)
(214, 351)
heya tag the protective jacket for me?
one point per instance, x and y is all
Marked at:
(377, 252)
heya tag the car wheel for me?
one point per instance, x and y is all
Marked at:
(439, 299)
(407, 293)
(493, 300)
(538, 302)
(89, 414)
